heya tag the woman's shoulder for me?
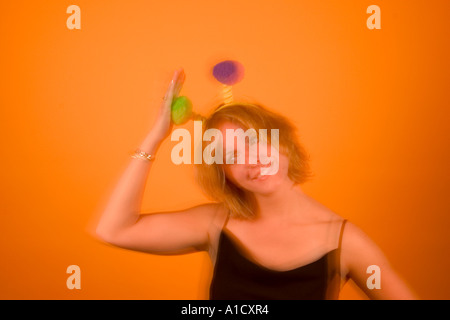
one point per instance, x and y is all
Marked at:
(211, 214)
(208, 208)
(353, 236)
(214, 217)
(320, 212)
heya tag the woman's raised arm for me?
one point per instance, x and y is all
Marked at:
(122, 224)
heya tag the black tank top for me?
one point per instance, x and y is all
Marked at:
(235, 277)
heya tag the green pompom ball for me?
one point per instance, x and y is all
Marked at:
(181, 110)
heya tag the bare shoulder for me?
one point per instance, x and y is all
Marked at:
(320, 212)
(358, 248)
(206, 209)
(217, 215)
(360, 257)
(359, 251)
(206, 213)
(356, 240)
(353, 235)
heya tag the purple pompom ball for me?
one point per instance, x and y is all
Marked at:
(228, 72)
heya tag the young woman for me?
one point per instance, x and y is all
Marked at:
(266, 238)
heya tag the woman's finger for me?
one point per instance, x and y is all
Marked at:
(175, 85)
(179, 82)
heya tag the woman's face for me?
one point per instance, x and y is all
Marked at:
(253, 175)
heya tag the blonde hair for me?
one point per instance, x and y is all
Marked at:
(212, 178)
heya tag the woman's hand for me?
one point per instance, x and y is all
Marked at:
(163, 124)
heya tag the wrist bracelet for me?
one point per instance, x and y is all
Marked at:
(139, 154)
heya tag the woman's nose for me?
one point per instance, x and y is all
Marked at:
(255, 160)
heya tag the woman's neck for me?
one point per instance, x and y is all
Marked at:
(280, 205)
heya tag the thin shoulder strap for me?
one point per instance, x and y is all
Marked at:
(340, 248)
(334, 269)
(218, 233)
(226, 220)
(342, 233)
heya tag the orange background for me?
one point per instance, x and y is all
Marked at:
(371, 107)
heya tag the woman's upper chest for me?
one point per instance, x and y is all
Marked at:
(281, 246)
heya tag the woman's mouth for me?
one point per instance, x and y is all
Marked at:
(260, 177)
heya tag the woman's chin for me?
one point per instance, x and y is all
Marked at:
(263, 185)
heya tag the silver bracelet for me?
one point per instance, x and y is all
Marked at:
(139, 154)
